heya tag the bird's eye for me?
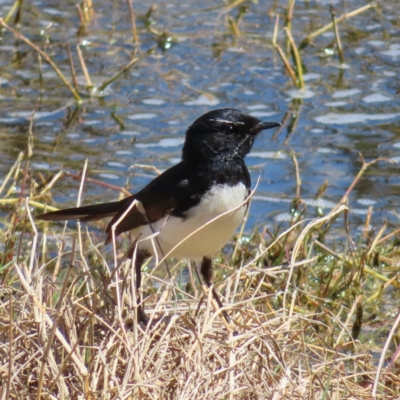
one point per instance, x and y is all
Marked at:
(229, 129)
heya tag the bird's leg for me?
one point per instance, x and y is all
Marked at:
(140, 257)
(206, 272)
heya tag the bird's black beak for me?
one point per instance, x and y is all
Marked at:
(262, 126)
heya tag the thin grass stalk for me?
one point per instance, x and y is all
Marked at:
(367, 222)
(32, 203)
(376, 240)
(135, 294)
(381, 277)
(89, 84)
(50, 185)
(86, 10)
(35, 238)
(118, 74)
(45, 56)
(51, 337)
(241, 231)
(133, 22)
(384, 353)
(86, 269)
(387, 237)
(298, 178)
(288, 19)
(41, 80)
(83, 176)
(364, 167)
(349, 316)
(286, 62)
(337, 36)
(233, 26)
(388, 282)
(30, 136)
(14, 168)
(357, 324)
(89, 4)
(329, 26)
(99, 183)
(81, 18)
(231, 6)
(297, 59)
(10, 348)
(71, 64)
(17, 4)
(291, 308)
(395, 356)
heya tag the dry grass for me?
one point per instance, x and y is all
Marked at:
(298, 301)
(67, 319)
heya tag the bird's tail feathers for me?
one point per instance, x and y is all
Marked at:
(85, 213)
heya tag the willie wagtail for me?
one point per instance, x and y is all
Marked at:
(212, 179)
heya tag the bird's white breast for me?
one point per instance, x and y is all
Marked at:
(209, 239)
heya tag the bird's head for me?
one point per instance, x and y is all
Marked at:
(222, 135)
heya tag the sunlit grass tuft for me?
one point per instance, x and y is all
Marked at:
(303, 303)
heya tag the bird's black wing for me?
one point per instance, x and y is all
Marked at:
(172, 192)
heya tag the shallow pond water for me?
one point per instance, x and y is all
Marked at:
(191, 63)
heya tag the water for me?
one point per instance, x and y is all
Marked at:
(198, 65)
(341, 112)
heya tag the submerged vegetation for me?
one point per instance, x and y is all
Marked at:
(313, 302)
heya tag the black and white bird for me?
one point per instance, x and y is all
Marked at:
(211, 183)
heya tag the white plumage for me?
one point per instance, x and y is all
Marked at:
(208, 240)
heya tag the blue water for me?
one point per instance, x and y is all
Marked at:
(343, 111)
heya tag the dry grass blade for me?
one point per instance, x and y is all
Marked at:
(118, 74)
(337, 36)
(17, 4)
(384, 353)
(89, 84)
(45, 56)
(71, 64)
(14, 167)
(297, 59)
(133, 23)
(66, 333)
(329, 26)
(281, 53)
